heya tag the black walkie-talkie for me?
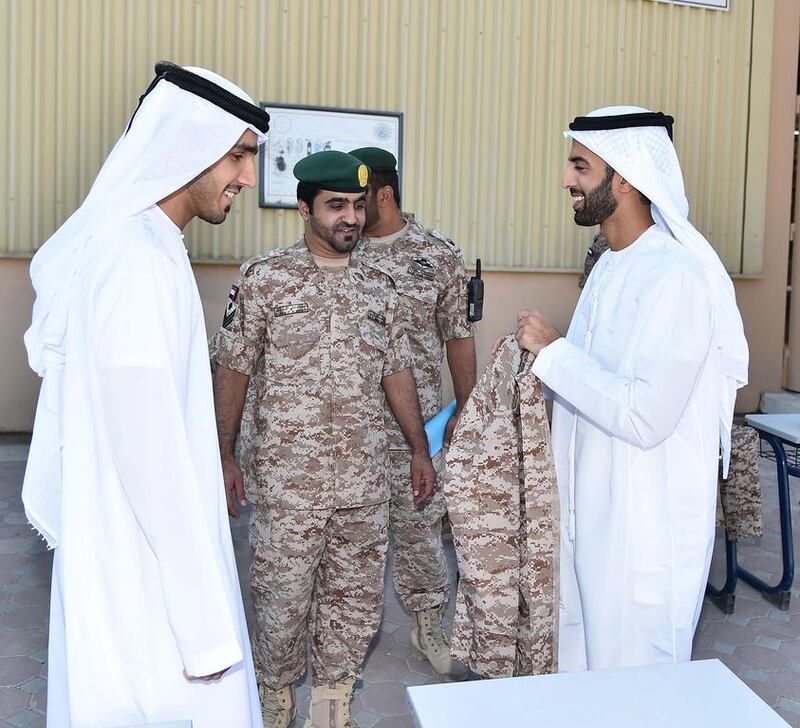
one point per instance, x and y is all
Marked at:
(475, 294)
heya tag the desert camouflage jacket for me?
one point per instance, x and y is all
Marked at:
(503, 503)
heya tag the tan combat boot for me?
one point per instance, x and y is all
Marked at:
(278, 707)
(429, 642)
(330, 705)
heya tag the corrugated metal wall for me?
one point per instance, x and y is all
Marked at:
(485, 86)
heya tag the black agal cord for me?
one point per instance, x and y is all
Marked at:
(208, 90)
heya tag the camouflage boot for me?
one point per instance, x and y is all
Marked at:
(278, 707)
(330, 705)
(429, 642)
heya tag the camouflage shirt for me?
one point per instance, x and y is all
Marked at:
(316, 343)
(431, 280)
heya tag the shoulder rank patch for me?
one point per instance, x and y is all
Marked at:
(230, 307)
(290, 309)
(249, 266)
(442, 238)
(378, 318)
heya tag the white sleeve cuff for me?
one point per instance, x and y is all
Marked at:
(214, 660)
(545, 359)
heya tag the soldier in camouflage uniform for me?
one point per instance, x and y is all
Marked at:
(503, 503)
(309, 344)
(430, 277)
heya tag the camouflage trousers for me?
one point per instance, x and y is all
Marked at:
(419, 569)
(318, 572)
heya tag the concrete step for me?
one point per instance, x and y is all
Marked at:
(783, 402)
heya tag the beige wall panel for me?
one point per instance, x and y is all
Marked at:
(485, 86)
(763, 301)
(755, 224)
(8, 81)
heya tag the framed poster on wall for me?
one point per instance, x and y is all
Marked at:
(296, 131)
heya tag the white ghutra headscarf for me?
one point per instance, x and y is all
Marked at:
(646, 157)
(174, 136)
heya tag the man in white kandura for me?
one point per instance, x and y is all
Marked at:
(124, 479)
(644, 385)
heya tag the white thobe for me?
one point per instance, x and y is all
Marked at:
(145, 589)
(636, 384)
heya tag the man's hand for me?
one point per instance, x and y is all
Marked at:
(230, 391)
(401, 394)
(534, 331)
(423, 476)
(234, 485)
(450, 427)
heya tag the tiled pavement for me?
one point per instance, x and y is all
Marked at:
(758, 642)
(24, 599)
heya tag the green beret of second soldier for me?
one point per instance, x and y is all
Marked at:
(378, 160)
(331, 170)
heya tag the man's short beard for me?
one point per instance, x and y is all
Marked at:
(215, 219)
(329, 236)
(344, 247)
(599, 204)
(201, 193)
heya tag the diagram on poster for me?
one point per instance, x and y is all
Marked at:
(297, 131)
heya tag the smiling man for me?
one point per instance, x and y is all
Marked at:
(123, 477)
(309, 345)
(644, 385)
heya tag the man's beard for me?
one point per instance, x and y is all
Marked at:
(370, 212)
(329, 235)
(203, 195)
(598, 205)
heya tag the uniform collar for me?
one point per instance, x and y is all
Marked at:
(303, 255)
(378, 252)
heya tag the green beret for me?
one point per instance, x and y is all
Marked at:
(376, 159)
(333, 171)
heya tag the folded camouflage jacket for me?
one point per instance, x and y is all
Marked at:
(503, 505)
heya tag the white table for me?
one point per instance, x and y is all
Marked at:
(699, 694)
(787, 427)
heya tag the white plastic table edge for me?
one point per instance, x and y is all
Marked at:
(674, 675)
(785, 426)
